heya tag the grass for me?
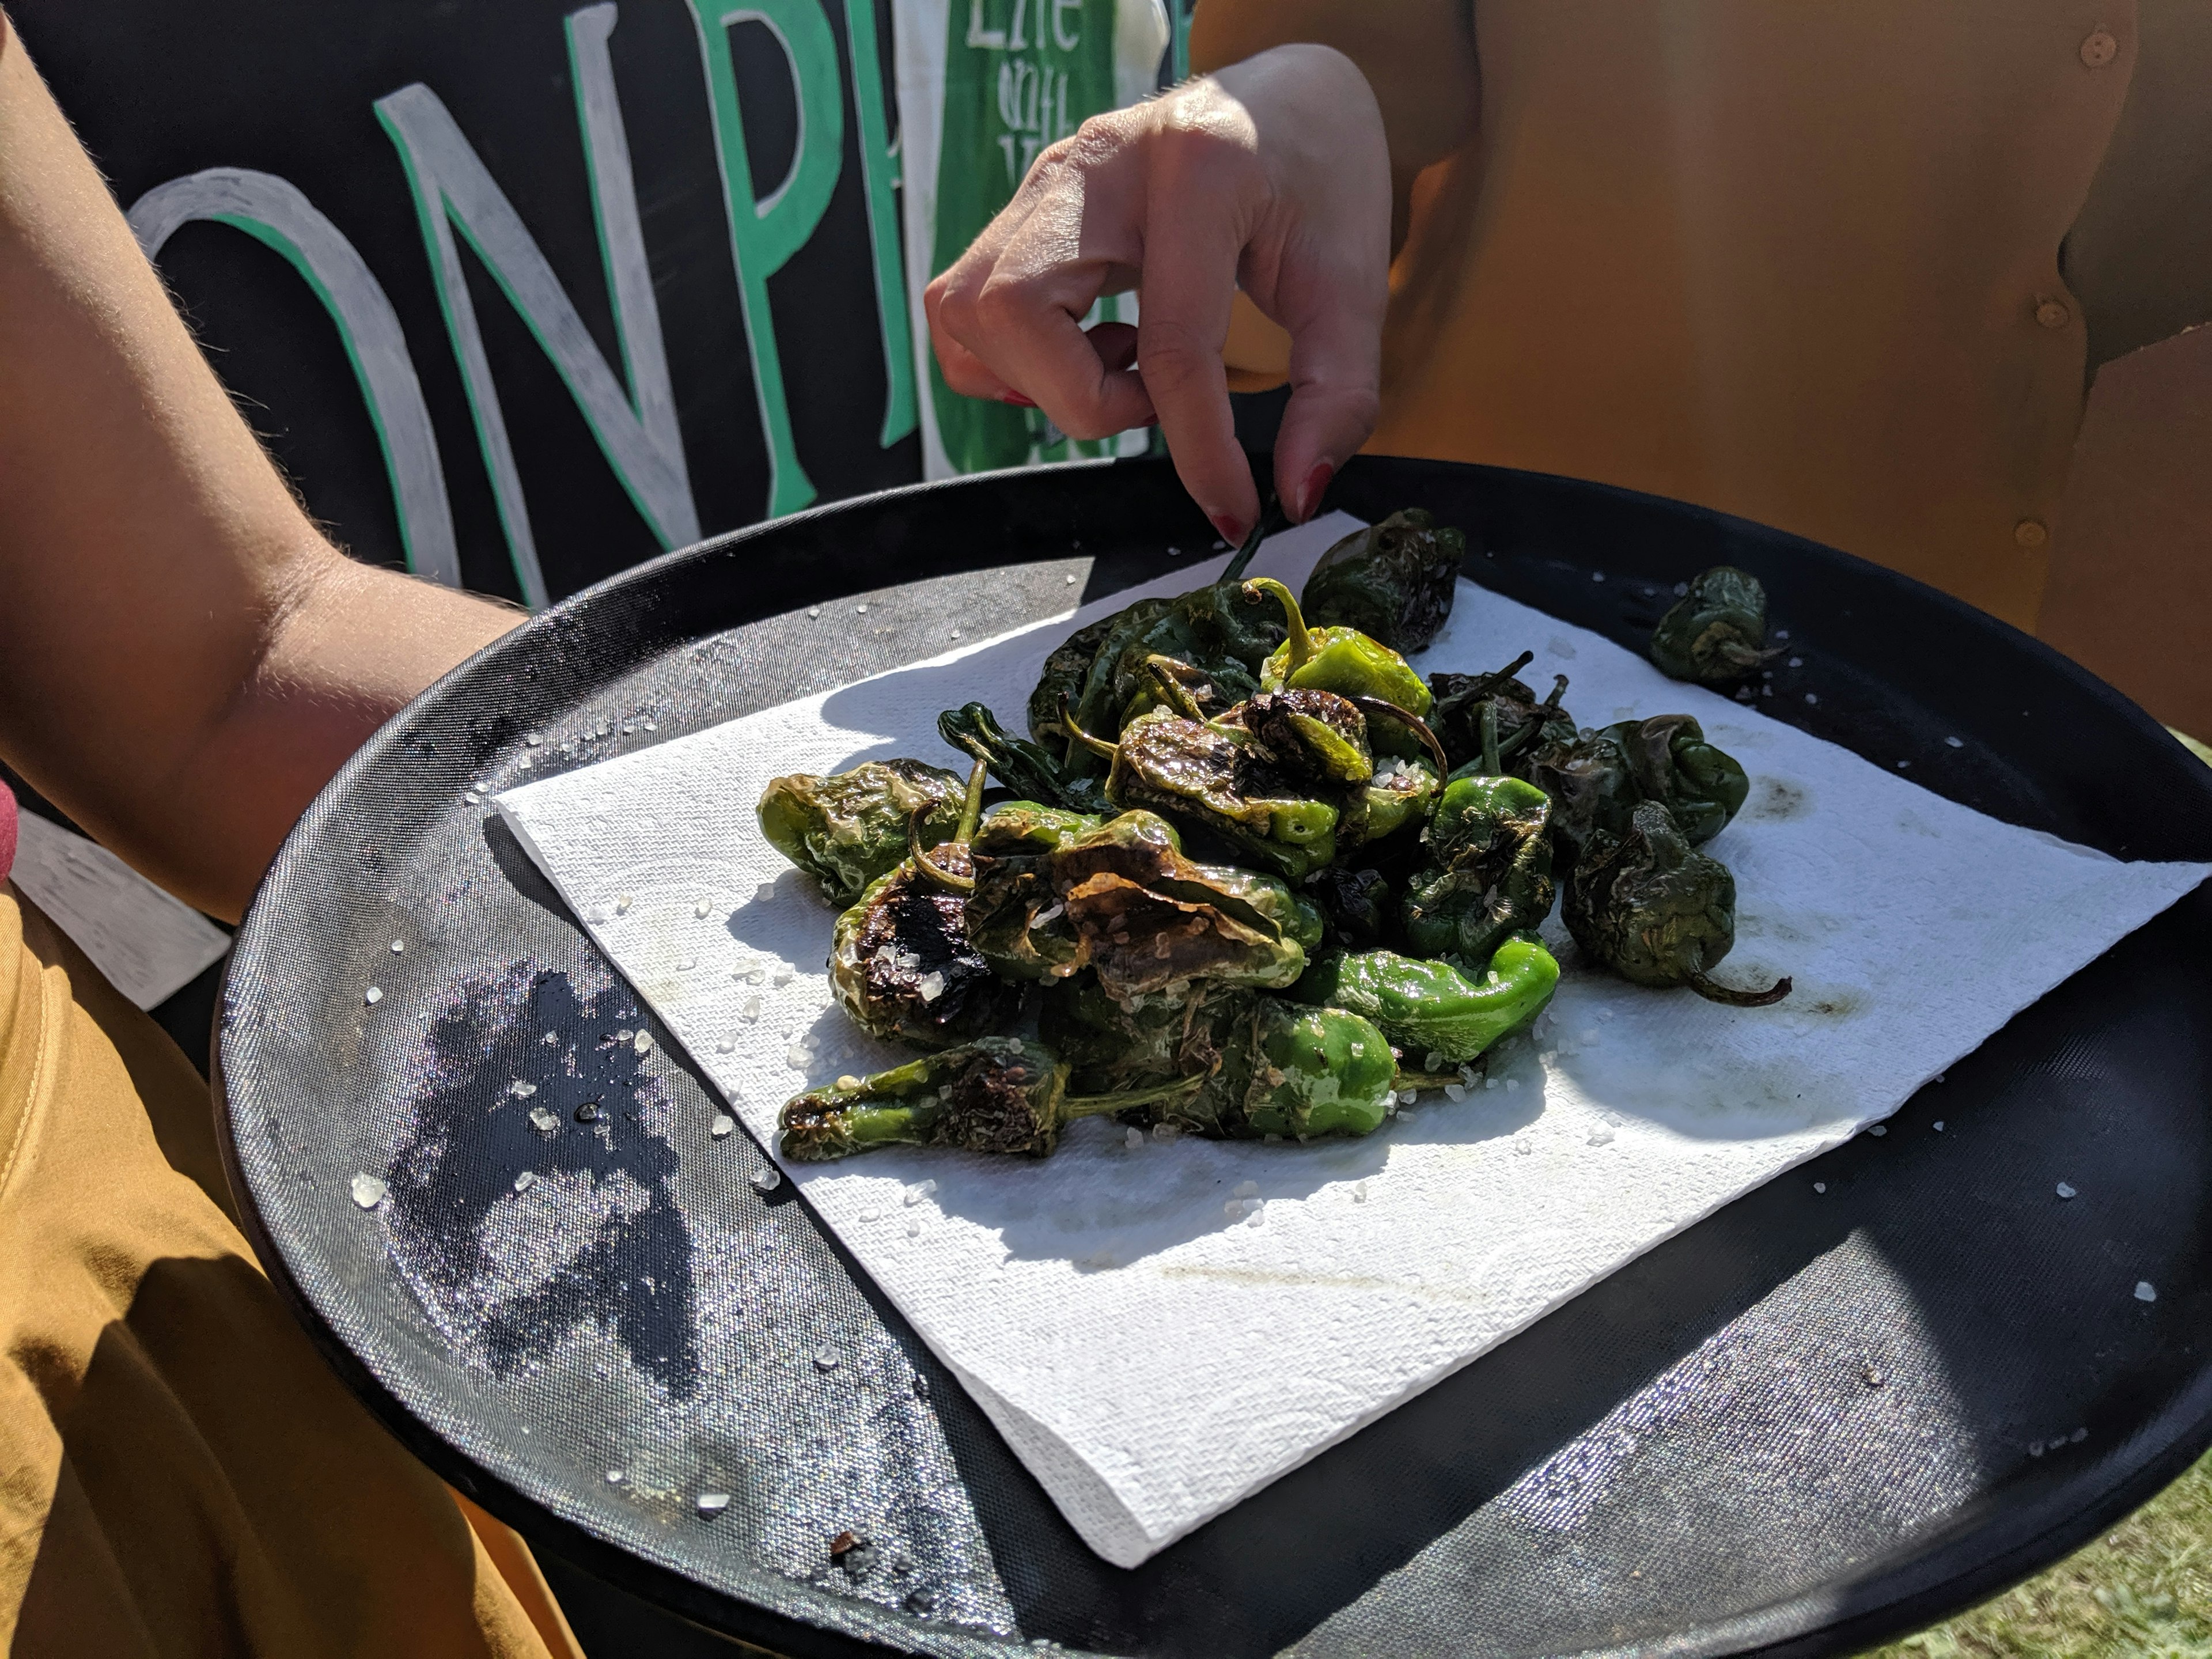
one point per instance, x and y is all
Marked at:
(2143, 1591)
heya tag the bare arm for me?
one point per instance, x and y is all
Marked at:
(184, 660)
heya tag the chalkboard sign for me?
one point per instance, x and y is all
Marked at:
(520, 292)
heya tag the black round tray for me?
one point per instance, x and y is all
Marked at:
(1795, 1429)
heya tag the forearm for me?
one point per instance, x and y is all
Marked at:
(184, 660)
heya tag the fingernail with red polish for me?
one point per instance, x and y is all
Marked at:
(1229, 529)
(1316, 483)
(1017, 401)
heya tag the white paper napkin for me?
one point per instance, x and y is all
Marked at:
(1160, 1330)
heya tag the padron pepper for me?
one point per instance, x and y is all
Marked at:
(1138, 1041)
(1061, 681)
(1672, 764)
(997, 1094)
(1339, 660)
(1393, 581)
(1491, 874)
(1656, 911)
(1592, 791)
(1355, 904)
(1027, 770)
(1148, 918)
(1430, 1008)
(1717, 633)
(1015, 917)
(1282, 1070)
(1214, 777)
(1524, 725)
(1399, 796)
(850, 828)
(900, 962)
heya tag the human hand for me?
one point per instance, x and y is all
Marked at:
(1272, 176)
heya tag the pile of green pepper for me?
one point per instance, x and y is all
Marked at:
(1257, 878)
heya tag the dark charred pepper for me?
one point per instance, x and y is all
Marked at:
(1015, 917)
(900, 961)
(1672, 764)
(1492, 871)
(1657, 912)
(1025, 767)
(1524, 725)
(1591, 789)
(1430, 1009)
(1717, 633)
(1393, 581)
(847, 829)
(993, 1095)
(1355, 904)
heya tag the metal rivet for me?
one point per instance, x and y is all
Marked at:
(2099, 49)
(2052, 313)
(2030, 532)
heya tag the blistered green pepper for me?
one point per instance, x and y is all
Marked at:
(1025, 767)
(1524, 725)
(1657, 912)
(1196, 770)
(1435, 1014)
(1015, 917)
(1399, 796)
(1061, 682)
(1672, 762)
(1286, 1070)
(1355, 904)
(997, 1094)
(1139, 1041)
(1492, 874)
(847, 829)
(1592, 790)
(900, 961)
(1316, 737)
(1394, 581)
(1148, 918)
(1717, 633)
(1339, 660)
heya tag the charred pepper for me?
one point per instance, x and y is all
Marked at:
(1592, 791)
(1393, 581)
(1015, 917)
(1430, 1008)
(1025, 767)
(1280, 1069)
(1673, 764)
(1657, 912)
(993, 1095)
(1339, 660)
(1492, 871)
(1524, 725)
(847, 829)
(1355, 904)
(1716, 633)
(900, 960)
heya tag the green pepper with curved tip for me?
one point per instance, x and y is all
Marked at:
(901, 964)
(1024, 768)
(997, 1094)
(1657, 912)
(1393, 581)
(1339, 660)
(1717, 634)
(1214, 778)
(1524, 726)
(1430, 1008)
(1672, 762)
(850, 828)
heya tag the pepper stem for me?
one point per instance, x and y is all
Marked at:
(1268, 514)
(1074, 1106)
(1417, 1081)
(971, 811)
(1489, 682)
(1301, 642)
(971, 816)
(1078, 736)
(1713, 991)
(1406, 717)
(1490, 736)
(1170, 690)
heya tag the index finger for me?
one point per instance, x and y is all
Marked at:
(1182, 323)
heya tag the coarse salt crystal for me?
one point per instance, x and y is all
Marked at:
(1879, 1130)
(522, 1091)
(373, 996)
(872, 1215)
(703, 908)
(931, 985)
(1433, 1062)
(525, 1181)
(368, 1191)
(725, 1046)
(1955, 743)
(915, 1194)
(1810, 697)
(2065, 1189)
(543, 1121)
(766, 891)
(642, 1042)
(622, 904)
(1600, 1136)
(912, 1228)
(1234, 1206)
(1358, 1191)
(721, 1126)
(767, 1179)
(1166, 1132)
(1820, 1186)
(1490, 1083)
(685, 964)
(397, 945)
(614, 1477)
(749, 1010)
(2145, 1291)
(1522, 1148)
(782, 974)
(827, 1358)
(1939, 1126)
(1246, 1189)
(1133, 1139)
(795, 1057)
(1512, 1082)
(714, 1502)
(1455, 1092)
